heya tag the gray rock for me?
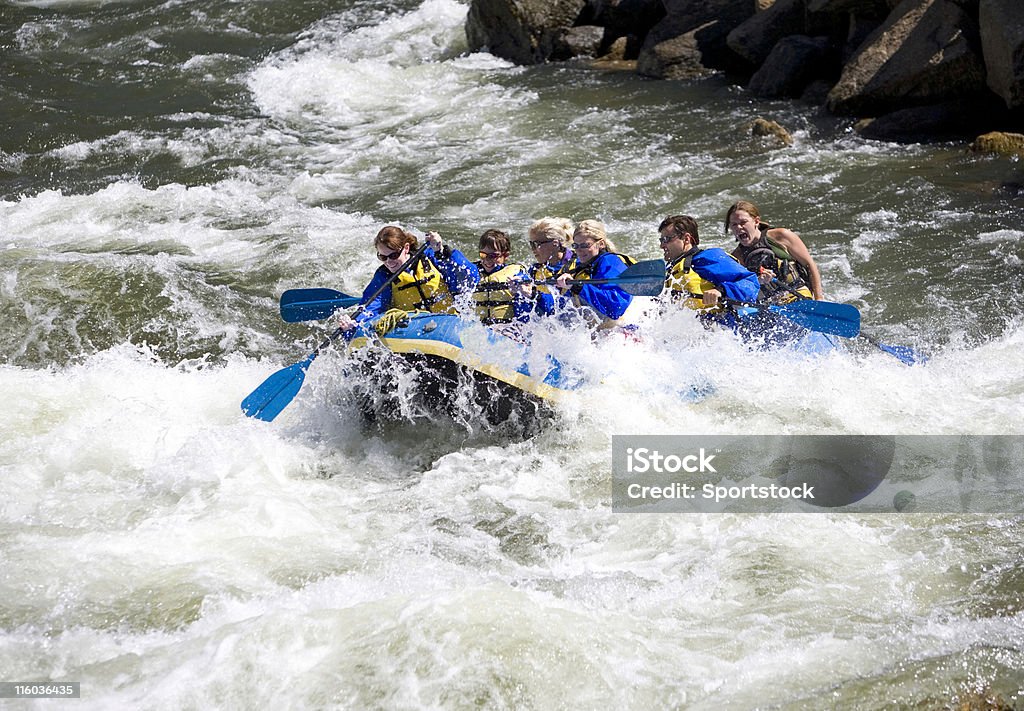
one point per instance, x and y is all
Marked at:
(754, 38)
(924, 124)
(521, 31)
(583, 41)
(875, 7)
(1002, 42)
(690, 40)
(628, 17)
(792, 65)
(926, 52)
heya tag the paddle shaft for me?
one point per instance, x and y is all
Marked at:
(380, 290)
(650, 273)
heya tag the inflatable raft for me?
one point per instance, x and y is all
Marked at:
(439, 363)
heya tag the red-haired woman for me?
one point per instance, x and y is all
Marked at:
(430, 283)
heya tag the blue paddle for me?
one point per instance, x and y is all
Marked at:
(276, 392)
(824, 316)
(905, 354)
(313, 304)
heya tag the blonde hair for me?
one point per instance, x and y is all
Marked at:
(596, 231)
(559, 229)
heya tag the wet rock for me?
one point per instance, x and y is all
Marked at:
(755, 37)
(627, 18)
(925, 124)
(617, 52)
(1002, 41)
(521, 31)
(1001, 143)
(764, 128)
(582, 41)
(858, 30)
(793, 64)
(690, 40)
(927, 52)
(901, 64)
(878, 8)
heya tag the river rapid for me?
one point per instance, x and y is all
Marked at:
(167, 169)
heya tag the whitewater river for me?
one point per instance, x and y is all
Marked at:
(167, 169)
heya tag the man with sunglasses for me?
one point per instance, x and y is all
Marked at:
(699, 276)
(431, 283)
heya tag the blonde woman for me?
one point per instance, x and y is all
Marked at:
(596, 259)
(550, 238)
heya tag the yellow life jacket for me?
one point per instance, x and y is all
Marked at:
(686, 284)
(545, 272)
(423, 289)
(583, 273)
(493, 296)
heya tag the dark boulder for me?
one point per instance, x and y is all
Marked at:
(927, 52)
(754, 38)
(521, 31)
(691, 39)
(949, 121)
(793, 64)
(1002, 41)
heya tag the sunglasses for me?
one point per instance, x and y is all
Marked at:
(534, 245)
(490, 255)
(662, 239)
(389, 257)
(588, 245)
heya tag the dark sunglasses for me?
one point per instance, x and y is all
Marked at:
(534, 245)
(491, 255)
(386, 257)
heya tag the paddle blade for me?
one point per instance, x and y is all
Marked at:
(643, 287)
(313, 304)
(643, 278)
(276, 392)
(823, 316)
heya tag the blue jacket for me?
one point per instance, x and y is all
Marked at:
(609, 300)
(734, 280)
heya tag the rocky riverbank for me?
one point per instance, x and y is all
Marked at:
(909, 71)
